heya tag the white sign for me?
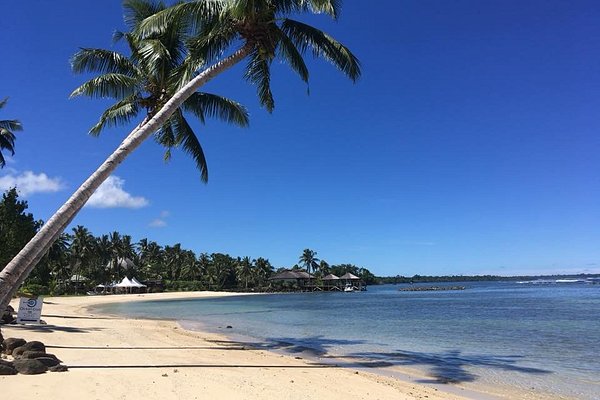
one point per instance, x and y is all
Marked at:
(30, 310)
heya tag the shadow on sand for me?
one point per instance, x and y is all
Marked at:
(444, 367)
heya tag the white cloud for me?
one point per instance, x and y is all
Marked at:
(28, 183)
(111, 195)
(161, 221)
(157, 223)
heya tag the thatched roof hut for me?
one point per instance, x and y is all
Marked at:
(349, 277)
(331, 277)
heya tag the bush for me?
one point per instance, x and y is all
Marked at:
(35, 290)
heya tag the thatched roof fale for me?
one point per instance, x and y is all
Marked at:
(349, 276)
(331, 277)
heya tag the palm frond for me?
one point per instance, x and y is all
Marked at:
(11, 125)
(119, 113)
(195, 13)
(210, 105)
(330, 7)
(182, 74)
(258, 72)
(117, 86)
(3, 102)
(102, 61)
(212, 40)
(186, 138)
(289, 52)
(135, 11)
(322, 45)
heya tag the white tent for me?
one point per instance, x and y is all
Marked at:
(137, 283)
(125, 283)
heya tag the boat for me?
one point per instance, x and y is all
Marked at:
(348, 288)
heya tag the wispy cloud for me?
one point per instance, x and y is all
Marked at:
(28, 182)
(112, 195)
(417, 243)
(160, 222)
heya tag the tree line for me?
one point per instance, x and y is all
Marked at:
(80, 260)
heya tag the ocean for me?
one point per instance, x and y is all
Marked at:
(539, 338)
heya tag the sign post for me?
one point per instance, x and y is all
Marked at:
(30, 310)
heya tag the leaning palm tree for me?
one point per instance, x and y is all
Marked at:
(258, 30)
(7, 137)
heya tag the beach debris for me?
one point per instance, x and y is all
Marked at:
(229, 327)
(29, 367)
(10, 344)
(165, 375)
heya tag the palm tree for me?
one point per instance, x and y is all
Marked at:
(309, 260)
(244, 270)
(83, 250)
(260, 30)
(144, 81)
(7, 137)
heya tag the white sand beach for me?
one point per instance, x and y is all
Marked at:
(116, 358)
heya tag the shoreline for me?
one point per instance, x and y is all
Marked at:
(159, 358)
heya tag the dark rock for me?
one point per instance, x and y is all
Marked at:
(58, 368)
(34, 345)
(1, 339)
(16, 353)
(12, 343)
(229, 327)
(6, 317)
(29, 367)
(32, 355)
(7, 369)
(48, 361)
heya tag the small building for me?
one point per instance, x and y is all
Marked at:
(302, 279)
(331, 282)
(352, 281)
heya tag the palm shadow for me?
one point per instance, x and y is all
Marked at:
(445, 367)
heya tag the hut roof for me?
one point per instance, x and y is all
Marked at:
(289, 274)
(331, 277)
(350, 276)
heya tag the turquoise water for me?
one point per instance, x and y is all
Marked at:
(540, 338)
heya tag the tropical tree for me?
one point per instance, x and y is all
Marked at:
(244, 270)
(258, 30)
(7, 137)
(17, 226)
(309, 260)
(83, 251)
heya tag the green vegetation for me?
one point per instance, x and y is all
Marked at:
(209, 38)
(17, 226)
(79, 260)
(7, 136)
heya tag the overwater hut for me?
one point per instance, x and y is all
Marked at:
(353, 281)
(331, 282)
(301, 279)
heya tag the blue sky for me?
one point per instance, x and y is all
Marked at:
(470, 145)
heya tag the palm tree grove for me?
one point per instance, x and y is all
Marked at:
(173, 51)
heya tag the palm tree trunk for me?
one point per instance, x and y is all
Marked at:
(23, 263)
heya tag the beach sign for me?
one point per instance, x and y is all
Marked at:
(30, 310)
